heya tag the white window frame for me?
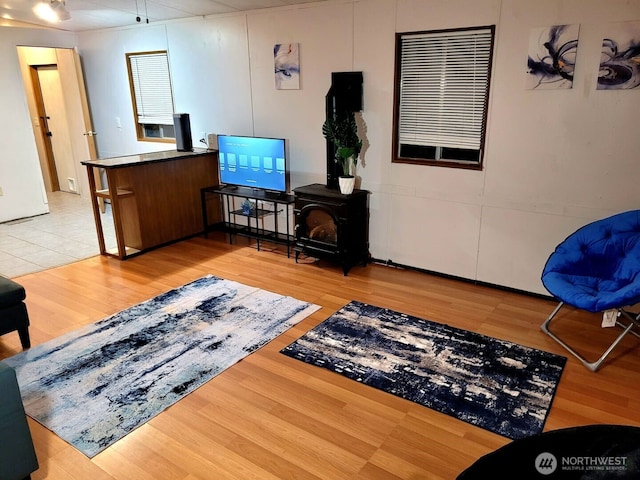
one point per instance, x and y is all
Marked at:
(442, 96)
(151, 95)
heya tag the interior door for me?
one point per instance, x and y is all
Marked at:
(55, 125)
(81, 132)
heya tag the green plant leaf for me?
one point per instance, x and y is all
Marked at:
(343, 132)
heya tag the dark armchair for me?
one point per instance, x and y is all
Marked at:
(17, 455)
(13, 311)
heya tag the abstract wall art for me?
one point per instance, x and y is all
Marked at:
(286, 60)
(620, 57)
(552, 57)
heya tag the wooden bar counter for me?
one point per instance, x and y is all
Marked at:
(154, 197)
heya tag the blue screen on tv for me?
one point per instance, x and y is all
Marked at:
(253, 162)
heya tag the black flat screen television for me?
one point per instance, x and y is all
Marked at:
(255, 162)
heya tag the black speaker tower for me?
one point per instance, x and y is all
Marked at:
(344, 95)
(182, 125)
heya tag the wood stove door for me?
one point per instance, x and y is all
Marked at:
(317, 228)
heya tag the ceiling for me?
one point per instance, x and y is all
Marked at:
(97, 14)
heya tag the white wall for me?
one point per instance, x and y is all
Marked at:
(212, 82)
(325, 34)
(20, 174)
(105, 73)
(554, 159)
(432, 215)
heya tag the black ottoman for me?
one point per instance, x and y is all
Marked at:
(13, 311)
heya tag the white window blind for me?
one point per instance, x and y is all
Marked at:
(152, 88)
(443, 90)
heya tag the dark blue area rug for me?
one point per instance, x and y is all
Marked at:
(500, 386)
(94, 385)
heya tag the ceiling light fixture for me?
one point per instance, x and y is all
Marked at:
(53, 11)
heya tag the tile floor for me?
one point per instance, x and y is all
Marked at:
(66, 234)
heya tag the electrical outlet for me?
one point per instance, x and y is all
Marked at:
(1, 192)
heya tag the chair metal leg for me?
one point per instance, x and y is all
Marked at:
(593, 366)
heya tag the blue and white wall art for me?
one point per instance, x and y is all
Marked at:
(620, 58)
(552, 57)
(286, 60)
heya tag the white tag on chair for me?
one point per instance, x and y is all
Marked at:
(609, 318)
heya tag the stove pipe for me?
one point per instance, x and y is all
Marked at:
(344, 95)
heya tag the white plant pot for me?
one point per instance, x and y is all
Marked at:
(346, 184)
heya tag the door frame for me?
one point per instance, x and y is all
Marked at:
(49, 172)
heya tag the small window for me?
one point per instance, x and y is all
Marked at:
(151, 95)
(442, 92)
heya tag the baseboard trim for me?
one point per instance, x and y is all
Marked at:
(392, 264)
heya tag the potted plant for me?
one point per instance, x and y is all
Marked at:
(342, 130)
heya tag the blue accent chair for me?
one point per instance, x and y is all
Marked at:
(597, 268)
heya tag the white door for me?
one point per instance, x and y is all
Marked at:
(80, 130)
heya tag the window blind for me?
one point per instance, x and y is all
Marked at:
(152, 88)
(444, 87)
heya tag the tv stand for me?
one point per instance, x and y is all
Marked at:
(275, 195)
(272, 204)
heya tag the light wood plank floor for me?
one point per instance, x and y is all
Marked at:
(272, 417)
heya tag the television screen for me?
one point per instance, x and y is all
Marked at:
(253, 162)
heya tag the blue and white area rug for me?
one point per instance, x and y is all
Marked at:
(497, 385)
(94, 385)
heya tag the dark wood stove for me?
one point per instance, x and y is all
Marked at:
(332, 226)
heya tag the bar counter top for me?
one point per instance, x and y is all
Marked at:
(143, 158)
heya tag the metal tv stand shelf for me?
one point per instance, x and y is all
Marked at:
(272, 204)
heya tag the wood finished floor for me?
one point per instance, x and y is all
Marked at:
(272, 417)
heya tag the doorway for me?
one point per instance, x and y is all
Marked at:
(61, 122)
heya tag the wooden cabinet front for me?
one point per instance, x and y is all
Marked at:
(154, 200)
